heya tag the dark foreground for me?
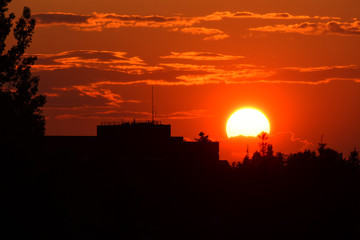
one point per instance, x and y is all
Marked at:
(67, 198)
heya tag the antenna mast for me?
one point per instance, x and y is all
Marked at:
(152, 104)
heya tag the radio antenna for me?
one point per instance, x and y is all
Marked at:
(152, 104)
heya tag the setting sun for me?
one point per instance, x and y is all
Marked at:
(247, 122)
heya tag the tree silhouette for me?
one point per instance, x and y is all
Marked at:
(19, 101)
(354, 158)
(203, 138)
(246, 160)
(269, 150)
(263, 145)
(256, 157)
(321, 148)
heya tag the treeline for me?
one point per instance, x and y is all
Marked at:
(326, 157)
(302, 195)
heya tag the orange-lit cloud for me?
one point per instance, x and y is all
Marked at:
(101, 21)
(301, 144)
(189, 67)
(109, 115)
(316, 75)
(307, 28)
(99, 71)
(318, 69)
(203, 56)
(110, 20)
(191, 114)
(51, 94)
(113, 20)
(216, 16)
(213, 34)
(117, 115)
(97, 90)
(104, 60)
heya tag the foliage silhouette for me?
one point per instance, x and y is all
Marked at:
(354, 158)
(263, 145)
(203, 138)
(19, 98)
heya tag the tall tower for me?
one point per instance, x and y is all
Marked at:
(152, 105)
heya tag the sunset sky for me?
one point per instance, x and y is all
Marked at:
(296, 61)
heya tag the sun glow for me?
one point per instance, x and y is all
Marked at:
(247, 122)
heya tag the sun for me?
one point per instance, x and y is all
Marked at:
(247, 122)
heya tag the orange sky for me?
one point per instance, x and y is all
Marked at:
(296, 61)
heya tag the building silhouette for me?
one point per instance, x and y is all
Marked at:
(134, 141)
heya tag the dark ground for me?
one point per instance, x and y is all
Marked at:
(66, 198)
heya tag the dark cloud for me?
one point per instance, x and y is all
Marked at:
(101, 21)
(69, 18)
(320, 28)
(207, 56)
(154, 18)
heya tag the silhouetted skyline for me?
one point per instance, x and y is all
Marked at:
(296, 61)
(139, 179)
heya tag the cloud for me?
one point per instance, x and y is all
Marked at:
(101, 21)
(225, 76)
(318, 69)
(104, 60)
(60, 18)
(189, 67)
(214, 34)
(316, 75)
(245, 74)
(114, 115)
(110, 20)
(113, 20)
(307, 28)
(106, 116)
(216, 16)
(51, 94)
(201, 56)
(94, 73)
(296, 143)
(95, 90)
(181, 115)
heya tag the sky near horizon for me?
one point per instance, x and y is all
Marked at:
(296, 61)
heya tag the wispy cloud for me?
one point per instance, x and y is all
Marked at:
(319, 69)
(201, 56)
(189, 67)
(61, 18)
(108, 115)
(117, 115)
(226, 76)
(98, 90)
(51, 94)
(216, 16)
(101, 21)
(117, 69)
(191, 114)
(320, 28)
(213, 34)
(104, 60)
(109, 20)
(245, 74)
(113, 20)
